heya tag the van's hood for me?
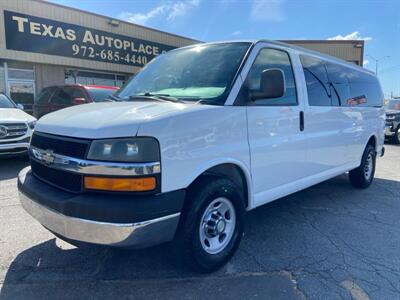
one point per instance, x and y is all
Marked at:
(11, 115)
(108, 119)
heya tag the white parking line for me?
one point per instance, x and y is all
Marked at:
(356, 292)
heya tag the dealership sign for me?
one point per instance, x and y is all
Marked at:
(39, 35)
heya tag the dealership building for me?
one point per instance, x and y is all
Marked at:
(44, 44)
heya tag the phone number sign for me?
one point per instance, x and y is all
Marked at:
(40, 35)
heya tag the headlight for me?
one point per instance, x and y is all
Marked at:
(139, 149)
(32, 124)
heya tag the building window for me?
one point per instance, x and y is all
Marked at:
(93, 78)
(19, 83)
(2, 79)
(21, 74)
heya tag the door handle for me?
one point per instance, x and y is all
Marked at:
(301, 120)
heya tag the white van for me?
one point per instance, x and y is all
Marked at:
(200, 136)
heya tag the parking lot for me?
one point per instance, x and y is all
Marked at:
(327, 242)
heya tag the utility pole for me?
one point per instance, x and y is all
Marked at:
(377, 60)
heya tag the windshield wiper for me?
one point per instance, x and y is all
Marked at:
(208, 101)
(159, 97)
(113, 97)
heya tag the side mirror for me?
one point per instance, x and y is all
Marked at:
(20, 106)
(78, 100)
(272, 85)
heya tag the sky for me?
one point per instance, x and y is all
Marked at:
(375, 21)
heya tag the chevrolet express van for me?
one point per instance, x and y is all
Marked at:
(200, 136)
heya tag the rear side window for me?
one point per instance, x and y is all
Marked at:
(334, 84)
(338, 77)
(100, 95)
(318, 88)
(45, 95)
(65, 95)
(272, 59)
(365, 90)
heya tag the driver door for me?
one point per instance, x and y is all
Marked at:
(275, 132)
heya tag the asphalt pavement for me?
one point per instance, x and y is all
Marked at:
(329, 241)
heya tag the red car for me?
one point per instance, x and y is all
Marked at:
(53, 98)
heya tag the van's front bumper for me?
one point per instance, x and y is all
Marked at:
(115, 220)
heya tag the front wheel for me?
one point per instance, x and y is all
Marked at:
(212, 224)
(362, 176)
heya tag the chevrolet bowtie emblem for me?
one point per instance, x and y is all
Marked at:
(48, 157)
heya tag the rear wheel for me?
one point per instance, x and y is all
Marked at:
(212, 224)
(362, 176)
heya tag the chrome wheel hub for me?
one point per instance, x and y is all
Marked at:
(368, 167)
(217, 225)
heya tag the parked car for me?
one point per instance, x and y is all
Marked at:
(393, 120)
(16, 128)
(201, 135)
(58, 97)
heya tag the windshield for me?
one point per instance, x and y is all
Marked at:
(100, 95)
(5, 102)
(201, 72)
(393, 105)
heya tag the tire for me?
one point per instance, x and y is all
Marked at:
(363, 176)
(396, 137)
(207, 236)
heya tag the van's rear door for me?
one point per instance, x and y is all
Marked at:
(330, 128)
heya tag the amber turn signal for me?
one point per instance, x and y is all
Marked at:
(120, 184)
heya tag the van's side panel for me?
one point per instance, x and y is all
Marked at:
(369, 121)
(193, 142)
(328, 131)
(337, 133)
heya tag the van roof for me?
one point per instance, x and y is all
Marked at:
(298, 48)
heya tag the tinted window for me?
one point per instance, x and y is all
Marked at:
(365, 87)
(65, 95)
(316, 77)
(342, 90)
(338, 77)
(99, 95)
(5, 102)
(271, 59)
(45, 95)
(338, 73)
(365, 94)
(355, 87)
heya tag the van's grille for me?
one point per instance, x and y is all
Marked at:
(13, 130)
(61, 145)
(67, 181)
(64, 146)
